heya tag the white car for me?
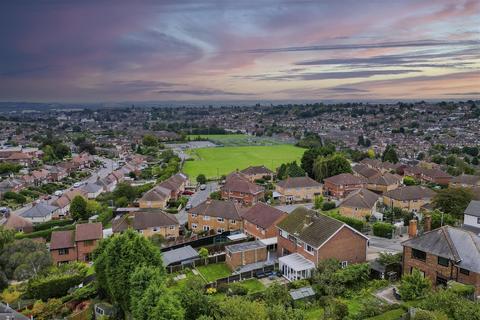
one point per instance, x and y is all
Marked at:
(203, 187)
(77, 184)
(58, 193)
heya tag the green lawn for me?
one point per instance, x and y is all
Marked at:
(215, 271)
(252, 285)
(182, 282)
(390, 315)
(215, 162)
(237, 140)
(315, 313)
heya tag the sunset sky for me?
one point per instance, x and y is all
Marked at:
(90, 51)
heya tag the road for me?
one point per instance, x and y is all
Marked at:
(100, 172)
(197, 198)
(382, 244)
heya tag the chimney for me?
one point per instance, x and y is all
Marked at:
(308, 220)
(427, 223)
(412, 228)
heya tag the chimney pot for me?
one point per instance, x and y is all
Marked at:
(427, 223)
(412, 228)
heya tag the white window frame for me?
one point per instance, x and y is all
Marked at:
(219, 219)
(312, 249)
(344, 264)
(206, 218)
(194, 226)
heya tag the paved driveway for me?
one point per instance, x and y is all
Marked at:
(197, 198)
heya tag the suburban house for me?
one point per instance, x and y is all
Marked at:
(148, 223)
(410, 198)
(11, 184)
(75, 245)
(471, 217)
(8, 313)
(241, 190)
(306, 237)
(56, 173)
(379, 165)
(63, 202)
(341, 185)
(444, 254)
(245, 253)
(253, 173)
(40, 212)
(436, 176)
(92, 190)
(359, 204)
(215, 215)
(158, 196)
(465, 181)
(296, 189)
(260, 221)
(384, 183)
(362, 170)
(109, 183)
(15, 222)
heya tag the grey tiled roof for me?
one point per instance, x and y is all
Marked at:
(40, 210)
(473, 208)
(179, 255)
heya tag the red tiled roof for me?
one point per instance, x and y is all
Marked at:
(62, 239)
(88, 231)
(263, 215)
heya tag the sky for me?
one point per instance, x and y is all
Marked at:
(259, 50)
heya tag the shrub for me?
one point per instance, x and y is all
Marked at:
(382, 229)
(237, 289)
(329, 205)
(414, 286)
(52, 223)
(356, 224)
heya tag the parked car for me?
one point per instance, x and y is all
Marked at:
(58, 193)
(188, 193)
(188, 206)
(77, 184)
(203, 187)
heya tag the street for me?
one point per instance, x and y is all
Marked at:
(197, 198)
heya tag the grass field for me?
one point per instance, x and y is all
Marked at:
(237, 140)
(215, 271)
(215, 162)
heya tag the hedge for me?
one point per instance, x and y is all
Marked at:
(46, 234)
(52, 223)
(356, 224)
(382, 229)
(328, 206)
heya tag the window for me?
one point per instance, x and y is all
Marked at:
(464, 271)
(193, 215)
(309, 248)
(478, 220)
(284, 234)
(194, 226)
(206, 218)
(220, 230)
(344, 264)
(155, 229)
(88, 243)
(441, 281)
(443, 261)
(62, 252)
(419, 255)
(232, 221)
(220, 219)
(171, 227)
(300, 243)
(206, 228)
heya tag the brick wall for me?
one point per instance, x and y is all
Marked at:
(236, 259)
(341, 191)
(270, 232)
(57, 258)
(212, 223)
(245, 198)
(85, 248)
(360, 213)
(300, 193)
(346, 245)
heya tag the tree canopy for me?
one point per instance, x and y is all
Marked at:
(390, 154)
(453, 200)
(329, 166)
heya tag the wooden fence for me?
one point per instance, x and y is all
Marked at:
(197, 262)
(242, 276)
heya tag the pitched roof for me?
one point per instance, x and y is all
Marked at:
(311, 227)
(91, 187)
(174, 182)
(366, 171)
(467, 179)
(62, 239)
(473, 208)
(361, 198)
(235, 182)
(458, 245)
(88, 231)
(39, 210)
(263, 215)
(257, 170)
(157, 193)
(153, 218)
(345, 179)
(179, 255)
(14, 221)
(218, 208)
(436, 173)
(298, 182)
(408, 193)
(386, 179)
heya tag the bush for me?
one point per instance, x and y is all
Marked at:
(18, 198)
(46, 234)
(382, 229)
(56, 282)
(329, 205)
(236, 289)
(414, 286)
(51, 224)
(356, 224)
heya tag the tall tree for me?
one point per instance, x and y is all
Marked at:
(390, 154)
(325, 167)
(78, 208)
(116, 258)
(311, 154)
(453, 200)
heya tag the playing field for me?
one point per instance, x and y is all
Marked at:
(215, 162)
(237, 140)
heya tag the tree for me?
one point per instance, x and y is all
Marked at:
(116, 257)
(414, 286)
(78, 208)
(239, 308)
(329, 166)
(311, 154)
(409, 181)
(390, 154)
(125, 190)
(93, 207)
(149, 140)
(387, 258)
(23, 259)
(216, 195)
(194, 301)
(453, 200)
(442, 219)
(203, 253)
(291, 169)
(318, 202)
(335, 310)
(201, 179)
(6, 237)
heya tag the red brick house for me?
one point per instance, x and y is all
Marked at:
(75, 245)
(241, 190)
(444, 254)
(260, 221)
(245, 253)
(253, 173)
(215, 215)
(341, 185)
(306, 237)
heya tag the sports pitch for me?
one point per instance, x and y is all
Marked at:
(215, 162)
